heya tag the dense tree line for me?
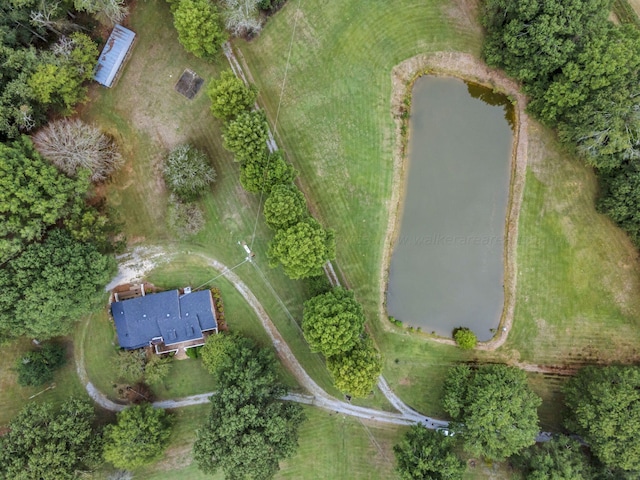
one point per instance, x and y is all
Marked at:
(301, 245)
(494, 416)
(44, 62)
(582, 74)
(333, 324)
(50, 444)
(50, 285)
(51, 237)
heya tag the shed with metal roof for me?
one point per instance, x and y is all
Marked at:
(113, 55)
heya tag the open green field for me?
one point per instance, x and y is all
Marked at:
(578, 281)
(331, 446)
(577, 299)
(149, 118)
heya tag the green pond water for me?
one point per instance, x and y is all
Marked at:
(448, 261)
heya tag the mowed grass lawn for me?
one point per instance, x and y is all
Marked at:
(149, 118)
(577, 298)
(330, 447)
(13, 397)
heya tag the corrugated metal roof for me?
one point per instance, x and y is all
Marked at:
(113, 54)
(168, 315)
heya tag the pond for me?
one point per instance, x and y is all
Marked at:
(447, 265)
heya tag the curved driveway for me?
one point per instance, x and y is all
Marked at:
(135, 265)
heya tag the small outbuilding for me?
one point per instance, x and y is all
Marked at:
(113, 55)
(168, 321)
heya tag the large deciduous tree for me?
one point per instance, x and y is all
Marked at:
(264, 172)
(285, 207)
(302, 249)
(138, 438)
(533, 39)
(51, 285)
(219, 350)
(242, 17)
(249, 429)
(199, 27)
(58, 80)
(427, 454)
(230, 96)
(187, 172)
(559, 459)
(246, 136)
(47, 444)
(620, 199)
(72, 145)
(604, 408)
(356, 372)
(33, 196)
(332, 323)
(494, 410)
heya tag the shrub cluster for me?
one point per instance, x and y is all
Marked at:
(134, 366)
(37, 367)
(333, 324)
(465, 338)
(188, 175)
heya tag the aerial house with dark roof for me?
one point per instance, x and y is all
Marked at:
(169, 321)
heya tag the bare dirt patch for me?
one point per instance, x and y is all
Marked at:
(469, 68)
(189, 84)
(635, 4)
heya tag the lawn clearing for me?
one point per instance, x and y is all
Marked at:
(13, 397)
(331, 446)
(577, 299)
(149, 117)
(579, 275)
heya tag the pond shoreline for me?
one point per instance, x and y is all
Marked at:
(468, 68)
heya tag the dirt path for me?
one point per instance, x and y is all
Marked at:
(137, 263)
(134, 265)
(466, 67)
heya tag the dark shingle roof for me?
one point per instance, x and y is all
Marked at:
(166, 314)
(113, 54)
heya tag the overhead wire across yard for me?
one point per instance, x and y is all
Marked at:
(272, 144)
